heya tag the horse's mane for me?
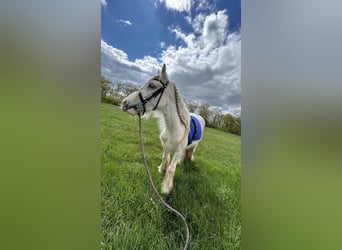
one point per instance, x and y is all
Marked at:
(182, 110)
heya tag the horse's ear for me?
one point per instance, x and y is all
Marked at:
(163, 73)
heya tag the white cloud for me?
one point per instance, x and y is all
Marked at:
(178, 5)
(204, 5)
(235, 111)
(197, 22)
(188, 39)
(104, 2)
(124, 22)
(206, 69)
(116, 66)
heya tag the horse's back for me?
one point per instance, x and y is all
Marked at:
(200, 118)
(197, 124)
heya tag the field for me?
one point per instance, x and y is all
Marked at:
(206, 191)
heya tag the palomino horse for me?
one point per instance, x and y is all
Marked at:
(180, 131)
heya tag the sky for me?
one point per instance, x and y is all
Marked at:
(198, 40)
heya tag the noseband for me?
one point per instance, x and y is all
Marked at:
(157, 92)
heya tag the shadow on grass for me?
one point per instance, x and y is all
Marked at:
(189, 167)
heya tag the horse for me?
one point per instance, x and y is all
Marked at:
(180, 130)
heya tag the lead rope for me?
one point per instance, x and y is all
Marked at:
(156, 192)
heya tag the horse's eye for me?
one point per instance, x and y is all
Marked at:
(152, 86)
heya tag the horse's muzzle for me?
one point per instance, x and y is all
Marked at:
(124, 105)
(132, 109)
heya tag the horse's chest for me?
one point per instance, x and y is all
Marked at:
(170, 144)
(171, 141)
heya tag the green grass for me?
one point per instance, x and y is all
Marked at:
(206, 191)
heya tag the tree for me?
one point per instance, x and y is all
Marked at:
(124, 89)
(218, 120)
(105, 86)
(192, 106)
(205, 112)
(232, 124)
(228, 122)
(236, 129)
(107, 92)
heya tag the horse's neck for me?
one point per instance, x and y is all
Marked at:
(170, 116)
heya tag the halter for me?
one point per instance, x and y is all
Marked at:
(155, 93)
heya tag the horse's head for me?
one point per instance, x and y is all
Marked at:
(148, 97)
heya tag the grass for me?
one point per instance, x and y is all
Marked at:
(206, 191)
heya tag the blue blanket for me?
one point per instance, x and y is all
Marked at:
(195, 132)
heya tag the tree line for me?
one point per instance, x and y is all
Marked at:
(214, 118)
(114, 94)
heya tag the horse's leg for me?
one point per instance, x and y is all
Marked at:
(189, 154)
(182, 158)
(165, 162)
(167, 183)
(166, 154)
(193, 152)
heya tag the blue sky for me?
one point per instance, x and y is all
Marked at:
(199, 40)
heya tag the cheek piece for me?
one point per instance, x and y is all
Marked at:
(141, 108)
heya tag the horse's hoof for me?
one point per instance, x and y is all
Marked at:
(166, 189)
(161, 170)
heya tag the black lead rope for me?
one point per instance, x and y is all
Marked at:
(156, 192)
